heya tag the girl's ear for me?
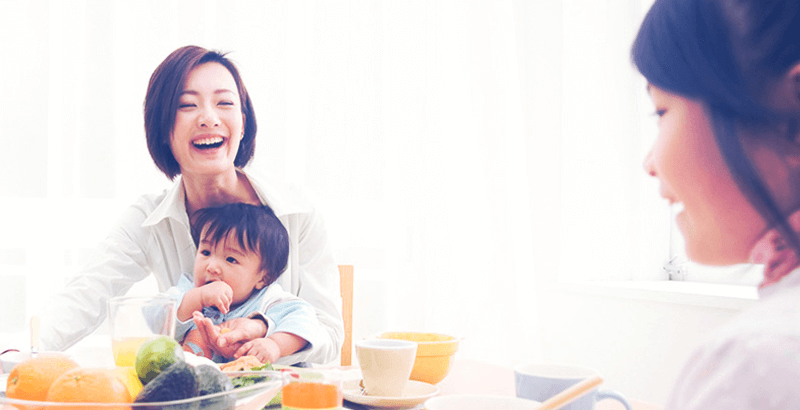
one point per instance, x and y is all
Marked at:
(784, 96)
(797, 87)
(794, 74)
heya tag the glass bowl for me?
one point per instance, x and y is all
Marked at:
(255, 396)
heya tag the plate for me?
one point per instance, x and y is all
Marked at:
(415, 393)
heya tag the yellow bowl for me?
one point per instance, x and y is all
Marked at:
(435, 354)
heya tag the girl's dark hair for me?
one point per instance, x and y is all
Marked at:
(161, 105)
(723, 53)
(256, 228)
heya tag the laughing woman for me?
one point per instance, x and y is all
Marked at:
(724, 77)
(201, 133)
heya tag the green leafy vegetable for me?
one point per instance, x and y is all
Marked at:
(249, 380)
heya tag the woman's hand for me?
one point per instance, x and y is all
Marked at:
(242, 330)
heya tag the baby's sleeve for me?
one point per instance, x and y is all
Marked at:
(285, 312)
(296, 316)
(177, 292)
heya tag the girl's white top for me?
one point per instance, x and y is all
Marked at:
(752, 362)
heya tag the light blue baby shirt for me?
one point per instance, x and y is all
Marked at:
(283, 311)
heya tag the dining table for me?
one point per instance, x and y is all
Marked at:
(468, 376)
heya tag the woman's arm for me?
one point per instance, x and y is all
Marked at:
(316, 281)
(150, 237)
(312, 273)
(80, 307)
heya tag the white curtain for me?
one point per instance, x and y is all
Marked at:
(405, 119)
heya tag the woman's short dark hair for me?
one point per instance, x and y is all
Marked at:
(256, 228)
(723, 53)
(161, 105)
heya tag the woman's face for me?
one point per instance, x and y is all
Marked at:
(718, 223)
(209, 123)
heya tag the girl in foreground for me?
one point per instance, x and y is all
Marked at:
(724, 76)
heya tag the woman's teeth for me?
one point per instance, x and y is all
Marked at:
(207, 143)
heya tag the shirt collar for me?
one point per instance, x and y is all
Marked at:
(788, 281)
(282, 198)
(172, 206)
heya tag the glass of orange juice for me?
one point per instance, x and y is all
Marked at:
(134, 319)
(317, 390)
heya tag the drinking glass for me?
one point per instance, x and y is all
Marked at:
(307, 391)
(134, 319)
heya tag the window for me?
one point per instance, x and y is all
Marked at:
(678, 267)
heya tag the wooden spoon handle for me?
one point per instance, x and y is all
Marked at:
(572, 393)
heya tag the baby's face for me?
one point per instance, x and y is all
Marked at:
(229, 262)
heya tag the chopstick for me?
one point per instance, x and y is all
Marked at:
(570, 394)
(34, 335)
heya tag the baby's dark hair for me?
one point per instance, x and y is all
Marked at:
(256, 228)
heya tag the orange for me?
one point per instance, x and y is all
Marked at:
(89, 385)
(127, 375)
(30, 379)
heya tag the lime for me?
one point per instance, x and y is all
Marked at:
(155, 355)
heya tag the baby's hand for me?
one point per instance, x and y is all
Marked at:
(217, 294)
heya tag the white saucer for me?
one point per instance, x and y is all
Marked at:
(480, 402)
(414, 394)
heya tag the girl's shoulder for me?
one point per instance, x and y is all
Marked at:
(745, 362)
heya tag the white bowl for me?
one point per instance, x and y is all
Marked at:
(479, 402)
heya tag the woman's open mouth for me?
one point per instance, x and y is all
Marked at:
(208, 142)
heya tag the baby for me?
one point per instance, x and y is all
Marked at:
(241, 251)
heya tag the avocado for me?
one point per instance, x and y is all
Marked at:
(176, 382)
(212, 380)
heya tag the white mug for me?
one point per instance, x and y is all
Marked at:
(385, 365)
(541, 381)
